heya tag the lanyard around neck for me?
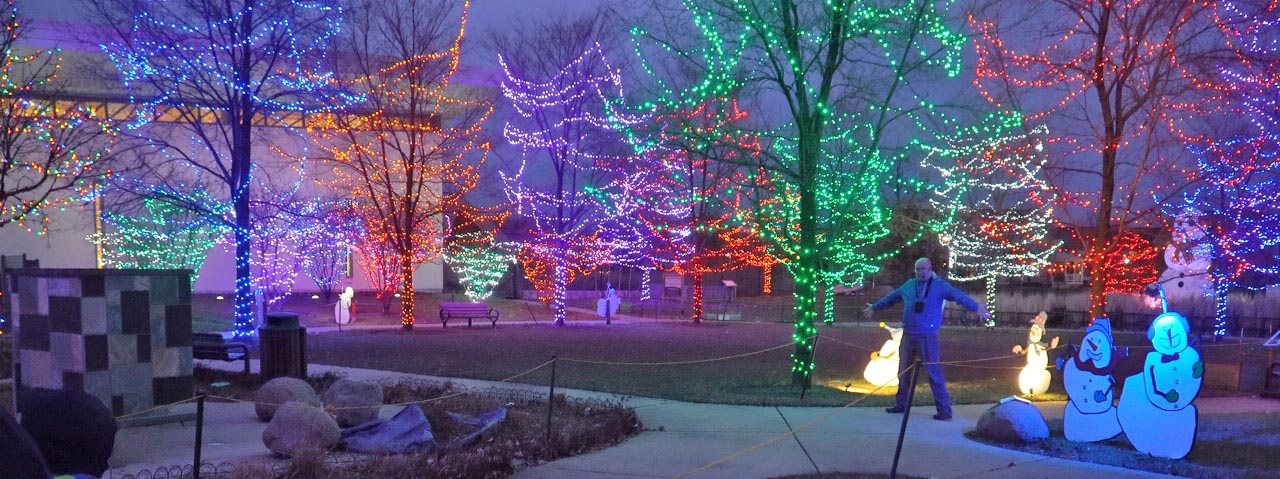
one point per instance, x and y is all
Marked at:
(927, 284)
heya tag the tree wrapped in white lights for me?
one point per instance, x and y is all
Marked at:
(999, 206)
(569, 126)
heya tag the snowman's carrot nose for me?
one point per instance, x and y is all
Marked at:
(1092, 345)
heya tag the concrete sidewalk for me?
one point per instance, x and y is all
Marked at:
(691, 440)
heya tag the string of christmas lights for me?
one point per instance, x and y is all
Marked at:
(998, 206)
(409, 160)
(205, 80)
(557, 118)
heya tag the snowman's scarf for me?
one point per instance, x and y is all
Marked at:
(1088, 365)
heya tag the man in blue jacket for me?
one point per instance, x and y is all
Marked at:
(923, 297)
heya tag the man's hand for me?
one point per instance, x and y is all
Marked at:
(867, 312)
(984, 314)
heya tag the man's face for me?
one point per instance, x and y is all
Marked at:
(923, 270)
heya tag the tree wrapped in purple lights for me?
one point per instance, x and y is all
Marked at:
(569, 126)
(209, 79)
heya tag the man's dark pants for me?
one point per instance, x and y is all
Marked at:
(924, 347)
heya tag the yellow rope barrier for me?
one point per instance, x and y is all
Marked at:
(157, 408)
(406, 403)
(674, 363)
(784, 435)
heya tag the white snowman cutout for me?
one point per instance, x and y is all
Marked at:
(1187, 277)
(1156, 410)
(342, 309)
(1034, 378)
(1090, 414)
(882, 371)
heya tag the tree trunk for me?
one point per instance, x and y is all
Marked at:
(991, 298)
(406, 293)
(829, 304)
(1220, 296)
(807, 267)
(244, 320)
(560, 293)
(697, 297)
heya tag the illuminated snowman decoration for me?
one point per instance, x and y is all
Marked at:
(883, 369)
(1156, 410)
(342, 310)
(1035, 376)
(1090, 414)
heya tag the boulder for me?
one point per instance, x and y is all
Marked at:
(75, 432)
(1015, 421)
(282, 390)
(298, 427)
(18, 452)
(348, 399)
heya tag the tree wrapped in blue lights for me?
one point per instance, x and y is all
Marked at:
(209, 79)
(1236, 216)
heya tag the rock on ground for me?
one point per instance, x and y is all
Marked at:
(1014, 421)
(297, 427)
(282, 390)
(346, 398)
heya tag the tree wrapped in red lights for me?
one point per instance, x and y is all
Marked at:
(570, 127)
(1114, 81)
(1130, 259)
(999, 208)
(381, 266)
(51, 151)
(410, 157)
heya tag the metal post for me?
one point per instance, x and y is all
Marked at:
(551, 399)
(902, 433)
(195, 468)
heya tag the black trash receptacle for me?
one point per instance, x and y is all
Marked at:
(284, 346)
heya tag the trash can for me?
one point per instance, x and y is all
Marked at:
(284, 346)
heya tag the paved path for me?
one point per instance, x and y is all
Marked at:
(694, 440)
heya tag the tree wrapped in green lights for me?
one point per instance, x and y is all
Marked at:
(160, 236)
(811, 54)
(999, 206)
(807, 53)
(475, 254)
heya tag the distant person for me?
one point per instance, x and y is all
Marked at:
(923, 297)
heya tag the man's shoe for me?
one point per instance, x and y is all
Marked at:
(942, 417)
(894, 410)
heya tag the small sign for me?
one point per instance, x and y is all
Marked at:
(729, 283)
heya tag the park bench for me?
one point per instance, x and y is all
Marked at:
(467, 310)
(214, 346)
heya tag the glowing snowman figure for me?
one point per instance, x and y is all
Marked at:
(1155, 408)
(1035, 376)
(1090, 414)
(342, 310)
(882, 371)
